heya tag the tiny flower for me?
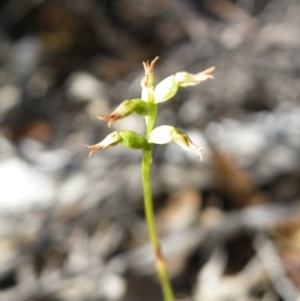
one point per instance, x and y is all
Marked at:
(147, 81)
(185, 79)
(168, 87)
(112, 139)
(126, 108)
(181, 138)
(127, 138)
(165, 134)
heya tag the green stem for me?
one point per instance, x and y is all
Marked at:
(149, 212)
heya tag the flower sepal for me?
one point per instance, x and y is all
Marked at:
(166, 89)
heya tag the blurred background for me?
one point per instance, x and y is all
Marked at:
(72, 228)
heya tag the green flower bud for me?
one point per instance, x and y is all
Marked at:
(185, 79)
(132, 140)
(126, 108)
(166, 89)
(141, 107)
(165, 134)
(112, 139)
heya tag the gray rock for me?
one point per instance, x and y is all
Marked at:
(82, 86)
(23, 187)
(24, 58)
(9, 98)
(45, 160)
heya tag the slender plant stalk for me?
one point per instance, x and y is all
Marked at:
(150, 217)
(164, 91)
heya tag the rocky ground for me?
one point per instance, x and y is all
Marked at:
(72, 227)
